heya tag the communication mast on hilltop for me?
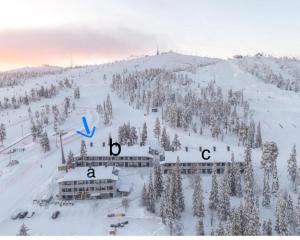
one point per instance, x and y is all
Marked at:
(71, 61)
(157, 51)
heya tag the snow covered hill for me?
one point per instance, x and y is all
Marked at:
(282, 72)
(36, 175)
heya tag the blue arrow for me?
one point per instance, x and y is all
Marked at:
(87, 129)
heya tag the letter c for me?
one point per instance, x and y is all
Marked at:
(205, 158)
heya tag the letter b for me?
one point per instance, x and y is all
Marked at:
(111, 144)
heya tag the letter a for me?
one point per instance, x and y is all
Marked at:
(91, 173)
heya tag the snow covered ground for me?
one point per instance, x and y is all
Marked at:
(277, 110)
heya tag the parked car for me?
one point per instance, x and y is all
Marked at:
(55, 214)
(112, 232)
(15, 216)
(113, 225)
(23, 215)
(119, 215)
(31, 215)
(125, 223)
(116, 215)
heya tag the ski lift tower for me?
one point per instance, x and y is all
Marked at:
(60, 134)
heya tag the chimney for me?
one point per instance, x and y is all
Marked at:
(214, 148)
(186, 149)
(103, 144)
(200, 149)
(228, 148)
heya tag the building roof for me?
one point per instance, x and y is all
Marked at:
(80, 173)
(194, 155)
(99, 150)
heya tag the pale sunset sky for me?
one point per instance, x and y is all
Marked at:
(36, 32)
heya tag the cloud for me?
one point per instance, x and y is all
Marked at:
(36, 46)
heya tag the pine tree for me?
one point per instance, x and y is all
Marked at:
(238, 181)
(220, 231)
(76, 93)
(232, 176)
(44, 141)
(213, 198)
(266, 190)
(144, 134)
(252, 223)
(83, 151)
(198, 206)
(176, 143)
(223, 198)
(248, 175)
(158, 180)
(33, 130)
(23, 231)
(144, 196)
(281, 214)
(258, 140)
(156, 129)
(109, 107)
(297, 215)
(251, 134)
(200, 227)
(236, 222)
(2, 133)
(178, 185)
(165, 140)
(290, 211)
(151, 196)
(267, 228)
(70, 158)
(165, 200)
(133, 137)
(275, 180)
(174, 197)
(292, 166)
(269, 155)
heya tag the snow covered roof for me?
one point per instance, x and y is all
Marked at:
(193, 155)
(78, 174)
(98, 150)
(124, 187)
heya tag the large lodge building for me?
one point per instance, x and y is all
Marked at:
(75, 184)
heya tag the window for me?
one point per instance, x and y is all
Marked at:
(91, 181)
(91, 188)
